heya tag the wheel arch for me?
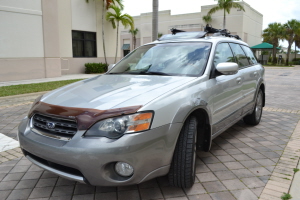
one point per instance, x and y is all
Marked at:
(204, 136)
(262, 87)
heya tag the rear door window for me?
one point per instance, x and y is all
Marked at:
(249, 54)
(240, 55)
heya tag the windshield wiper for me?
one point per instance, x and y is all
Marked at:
(156, 73)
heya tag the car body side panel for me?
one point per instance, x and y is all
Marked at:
(250, 77)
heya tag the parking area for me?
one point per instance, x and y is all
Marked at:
(239, 165)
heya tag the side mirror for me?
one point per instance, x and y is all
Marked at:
(227, 68)
(110, 66)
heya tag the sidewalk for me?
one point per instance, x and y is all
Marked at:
(42, 80)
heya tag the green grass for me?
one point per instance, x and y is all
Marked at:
(286, 196)
(34, 87)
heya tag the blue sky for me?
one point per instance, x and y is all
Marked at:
(272, 10)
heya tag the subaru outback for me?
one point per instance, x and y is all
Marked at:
(149, 114)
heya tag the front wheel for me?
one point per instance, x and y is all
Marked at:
(255, 116)
(182, 171)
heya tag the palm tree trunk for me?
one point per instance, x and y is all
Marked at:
(104, 52)
(224, 20)
(134, 42)
(154, 19)
(117, 42)
(288, 53)
(295, 52)
(274, 54)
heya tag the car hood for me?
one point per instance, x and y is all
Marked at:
(114, 91)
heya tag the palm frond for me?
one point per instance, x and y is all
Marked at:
(207, 19)
(238, 6)
(213, 10)
(127, 20)
(120, 3)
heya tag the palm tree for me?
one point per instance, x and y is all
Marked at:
(226, 6)
(292, 28)
(134, 33)
(273, 34)
(154, 19)
(207, 19)
(105, 6)
(115, 19)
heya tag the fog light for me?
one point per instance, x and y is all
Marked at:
(124, 169)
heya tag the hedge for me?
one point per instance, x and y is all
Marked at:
(91, 68)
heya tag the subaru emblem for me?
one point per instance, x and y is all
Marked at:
(50, 125)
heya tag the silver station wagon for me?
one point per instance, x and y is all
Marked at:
(149, 114)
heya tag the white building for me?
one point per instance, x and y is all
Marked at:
(50, 38)
(248, 24)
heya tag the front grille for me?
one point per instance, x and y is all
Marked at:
(54, 126)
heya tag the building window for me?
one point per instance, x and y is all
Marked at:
(84, 44)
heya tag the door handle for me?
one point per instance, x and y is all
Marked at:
(239, 80)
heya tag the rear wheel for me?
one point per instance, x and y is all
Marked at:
(182, 171)
(255, 116)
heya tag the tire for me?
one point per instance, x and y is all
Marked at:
(182, 170)
(255, 116)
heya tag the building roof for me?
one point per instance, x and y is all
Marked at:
(264, 45)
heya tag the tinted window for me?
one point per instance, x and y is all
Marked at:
(170, 58)
(249, 54)
(240, 55)
(223, 54)
(84, 44)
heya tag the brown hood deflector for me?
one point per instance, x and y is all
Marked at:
(85, 117)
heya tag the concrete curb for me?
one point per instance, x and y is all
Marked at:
(294, 190)
(43, 80)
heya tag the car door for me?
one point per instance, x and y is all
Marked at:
(226, 90)
(245, 71)
(251, 76)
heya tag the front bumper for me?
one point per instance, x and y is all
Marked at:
(150, 153)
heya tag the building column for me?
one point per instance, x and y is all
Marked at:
(51, 38)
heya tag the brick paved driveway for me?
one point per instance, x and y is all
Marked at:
(238, 166)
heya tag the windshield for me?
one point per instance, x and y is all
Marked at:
(182, 59)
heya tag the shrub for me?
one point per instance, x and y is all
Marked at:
(296, 61)
(91, 68)
(271, 59)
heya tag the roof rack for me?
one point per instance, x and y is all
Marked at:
(180, 34)
(224, 32)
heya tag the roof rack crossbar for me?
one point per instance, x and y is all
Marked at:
(174, 31)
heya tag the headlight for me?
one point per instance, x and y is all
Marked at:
(116, 127)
